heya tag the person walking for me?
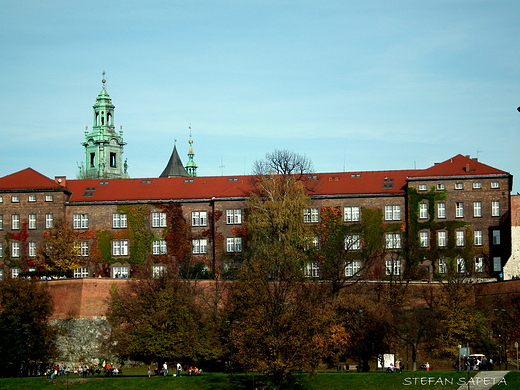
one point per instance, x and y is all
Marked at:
(179, 369)
(165, 369)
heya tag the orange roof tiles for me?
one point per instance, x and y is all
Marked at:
(459, 166)
(27, 179)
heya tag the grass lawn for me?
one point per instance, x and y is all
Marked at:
(220, 381)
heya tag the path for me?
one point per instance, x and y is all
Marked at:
(484, 380)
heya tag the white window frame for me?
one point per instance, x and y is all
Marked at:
(119, 221)
(234, 244)
(158, 219)
(393, 267)
(477, 185)
(120, 272)
(393, 240)
(31, 198)
(352, 268)
(311, 215)
(15, 272)
(80, 273)
(423, 187)
(495, 208)
(441, 187)
(477, 209)
(479, 264)
(393, 213)
(353, 242)
(15, 249)
(1, 249)
(496, 237)
(459, 209)
(158, 270)
(461, 265)
(32, 225)
(424, 239)
(423, 210)
(199, 218)
(80, 221)
(119, 248)
(495, 184)
(31, 249)
(234, 216)
(1, 222)
(442, 238)
(15, 222)
(459, 186)
(443, 267)
(459, 237)
(311, 270)
(15, 199)
(199, 246)
(441, 210)
(49, 221)
(49, 198)
(351, 213)
(159, 247)
(83, 249)
(477, 238)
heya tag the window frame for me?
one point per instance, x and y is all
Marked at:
(199, 246)
(441, 210)
(393, 267)
(477, 238)
(392, 212)
(423, 210)
(351, 213)
(477, 209)
(33, 222)
(442, 237)
(424, 239)
(460, 236)
(459, 209)
(199, 218)
(15, 222)
(311, 215)
(120, 248)
(80, 221)
(353, 242)
(158, 219)
(495, 208)
(393, 241)
(159, 247)
(119, 221)
(234, 216)
(233, 244)
(352, 268)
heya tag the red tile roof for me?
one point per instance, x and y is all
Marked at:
(27, 179)
(459, 166)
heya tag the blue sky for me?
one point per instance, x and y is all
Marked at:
(353, 85)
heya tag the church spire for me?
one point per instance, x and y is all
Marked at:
(174, 167)
(103, 146)
(191, 167)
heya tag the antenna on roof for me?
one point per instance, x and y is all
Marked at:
(221, 166)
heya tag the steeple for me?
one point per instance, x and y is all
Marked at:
(174, 167)
(191, 167)
(103, 146)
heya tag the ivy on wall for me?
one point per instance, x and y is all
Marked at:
(139, 235)
(21, 237)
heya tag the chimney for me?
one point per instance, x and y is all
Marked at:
(467, 167)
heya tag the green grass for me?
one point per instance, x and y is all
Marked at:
(219, 381)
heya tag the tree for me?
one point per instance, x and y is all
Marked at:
(27, 338)
(283, 162)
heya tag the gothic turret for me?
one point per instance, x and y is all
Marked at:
(103, 146)
(174, 167)
(191, 167)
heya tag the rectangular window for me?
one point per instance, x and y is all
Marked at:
(159, 247)
(158, 219)
(461, 265)
(15, 249)
(83, 249)
(479, 264)
(120, 272)
(312, 270)
(1, 222)
(316, 242)
(311, 215)
(15, 199)
(443, 268)
(423, 239)
(1, 249)
(80, 221)
(199, 218)
(352, 268)
(80, 273)
(495, 184)
(353, 242)
(351, 213)
(440, 187)
(477, 237)
(393, 240)
(234, 244)
(459, 210)
(32, 198)
(234, 217)
(423, 187)
(393, 213)
(477, 209)
(158, 270)
(49, 221)
(497, 264)
(1, 199)
(441, 210)
(32, 221)
(423, 210)
(496, 237)
(441, 238)
(495, 209)
(459, 186)
(393, 267)
(119, 221)
(120, 248)
(459, 238)
(199, 246)
(477, 185)
(49, 198)
(32, 249)
(15, 272)
(15, 222)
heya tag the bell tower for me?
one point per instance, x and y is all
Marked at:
(103, 146)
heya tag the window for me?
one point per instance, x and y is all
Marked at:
(234, 217)
(159, 247)
(1, 249)
(423, 239)
(158, 219)
(32, 249)
(496, 237)
(199, 218)
(49, 221)
(443, 268)
(83, 249)
(80, 221)
(1, 274)
(353, 242)
(119, 221)
(393, 213)
(479, 264)
(81, 273)
(440, 187)
(1, 199)
(461, 265)
(459, 238)
(393, 240)
(393, 267)
(352, 268)
(316, 242)
(459, 210)
(1, 222)
(477, 237)
(423, 210)
(15, 249)
(351, 213)
(199, 246)
(495, 208)
(312, 270)
(32, 198)
(49, 198)
(15, 199)
(495, 184)
(119, 272)
(15, 222)
(15, 272)
(459, 186)
(497, 264)
(441, 210)
(477, 209)
(120, 248)
(441, 238)
(158, 270)
(311, 215)
(234, 244)
(32, 221)
(423, 187)
(477, 185)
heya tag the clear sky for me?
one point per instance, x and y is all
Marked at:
(353, 85)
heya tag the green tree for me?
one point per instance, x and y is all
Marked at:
(27, 339)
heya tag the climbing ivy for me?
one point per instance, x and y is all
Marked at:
(138, 233)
